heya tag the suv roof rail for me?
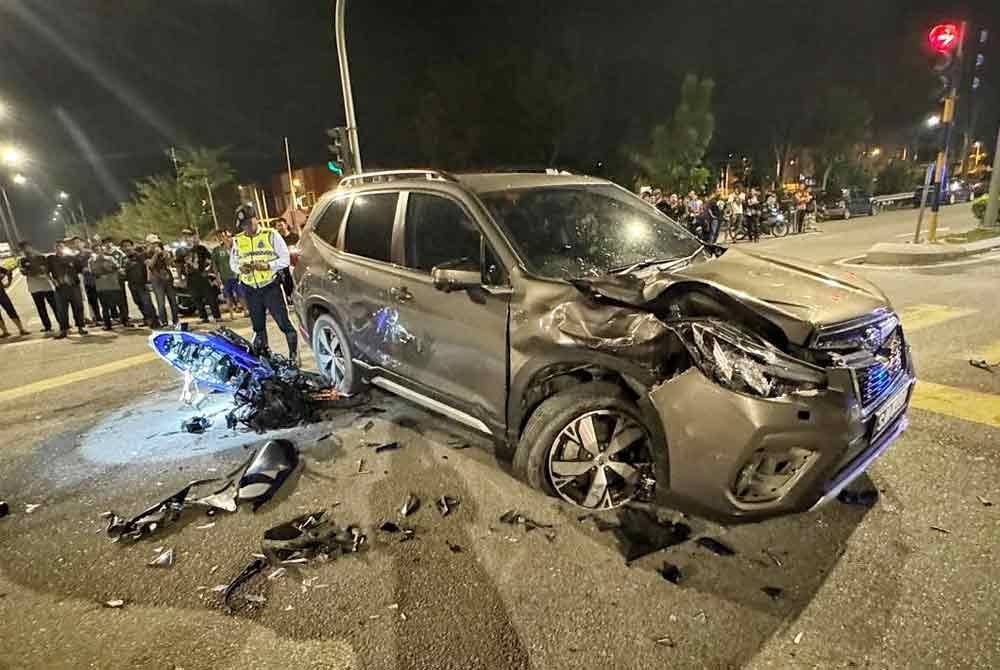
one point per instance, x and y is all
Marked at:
(393, 175)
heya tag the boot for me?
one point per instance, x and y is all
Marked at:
(293, 348)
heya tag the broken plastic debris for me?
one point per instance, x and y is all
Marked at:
(257, 600)
(455, 548)
(515, 518)
(983, 365)
(770, 554)
(164, 559)
(665, 641)
(114, 604)
(714, 546)
(670, 572)
(983, 501)
(445, 503)
(389, 527)
(277, 573)
(205, 526)
(410, 505)
(196, 425)
(391, 446)
(267, 472)
(941, 530)
(4, 508)
(773, 592)
(253, 568)
(866, 498)
(368, 426)
(798, 637)
(29, 508)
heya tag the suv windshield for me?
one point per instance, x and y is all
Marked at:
(578, 231)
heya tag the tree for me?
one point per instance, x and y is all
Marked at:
(898, 177)
(840, 122)
(677, 147)
(167, 203)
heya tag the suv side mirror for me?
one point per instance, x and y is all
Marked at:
(449, 280)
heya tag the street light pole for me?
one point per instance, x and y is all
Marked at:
(345, 84)
(211, 203)
(993, 204)
(10, 215)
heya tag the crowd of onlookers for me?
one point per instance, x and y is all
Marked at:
(91, 282)
(740, 208)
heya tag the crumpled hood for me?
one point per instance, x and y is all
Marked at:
(779, 286)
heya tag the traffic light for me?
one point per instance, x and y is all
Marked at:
(340, 151)
(944, 40)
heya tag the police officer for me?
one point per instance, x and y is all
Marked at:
(258, 256)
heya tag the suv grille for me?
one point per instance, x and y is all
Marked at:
(875, 380)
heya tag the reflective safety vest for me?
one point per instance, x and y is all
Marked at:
(256, 249)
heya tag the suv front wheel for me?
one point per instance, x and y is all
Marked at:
(333, 355)
(587, 445)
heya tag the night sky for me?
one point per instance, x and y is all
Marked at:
(101, 88)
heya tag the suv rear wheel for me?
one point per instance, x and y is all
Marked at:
(588, 446)
(333, 355)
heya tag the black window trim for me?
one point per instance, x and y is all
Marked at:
(336, 244)
(484, 241)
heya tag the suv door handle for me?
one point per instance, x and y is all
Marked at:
(333, 274)
(400, 294)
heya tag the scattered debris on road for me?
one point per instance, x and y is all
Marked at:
(455, 548)
(391, 446)
(410, 505)
(665, 641)
(114, 604)
(196, 425)
(640, 533)
(29, 507)
(515, 518)
(798, 637)
(865, 498)
(445, 503)
(256, 480)
(4, 509)
(714, 546)
(670, 572)
(982, 501)
(984, 365)
(773, 557)
(941, 530)
(368, 426)
(163, 559)
(773, 592)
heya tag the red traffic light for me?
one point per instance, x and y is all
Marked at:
(944, 37)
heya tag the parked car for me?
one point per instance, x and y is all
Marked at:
(607, 351)
(845, 206)
(958, 191)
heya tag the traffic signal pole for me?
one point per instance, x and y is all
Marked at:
(993, 204)
(345, 84)
(948, 121)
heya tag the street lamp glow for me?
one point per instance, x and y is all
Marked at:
(877, 151)
(12, 156)
(20, 179)
(933, 121)
(63, 195)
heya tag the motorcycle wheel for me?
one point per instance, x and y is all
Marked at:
(779, 229)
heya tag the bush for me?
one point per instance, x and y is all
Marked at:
(979, 209)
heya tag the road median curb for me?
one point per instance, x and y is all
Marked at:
(895, 253)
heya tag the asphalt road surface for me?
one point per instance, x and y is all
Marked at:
(91, 424)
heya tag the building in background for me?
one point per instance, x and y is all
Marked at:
(310, 183)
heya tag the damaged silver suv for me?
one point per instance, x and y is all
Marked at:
(612, 355)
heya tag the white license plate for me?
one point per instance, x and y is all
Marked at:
(890, 409)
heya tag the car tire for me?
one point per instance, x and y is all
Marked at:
(539, 446)
(334, 356)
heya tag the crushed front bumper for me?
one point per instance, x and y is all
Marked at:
(712, 434)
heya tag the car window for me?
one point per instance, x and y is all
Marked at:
(369, 226)
(328, 225)
(438, 232)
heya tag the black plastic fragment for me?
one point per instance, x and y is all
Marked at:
(455, 548)
(773, 592)
(515, 518)
(410, 505)
(4, 509)
(196, 425)
(308, 536)
(640, 533)
(714, 546)
(670, 572)
(390, 527)
(445, 503)
(368, 426)
(984, 365)
(391, 446)
(267, 472)
(866, 498)
(255, 567)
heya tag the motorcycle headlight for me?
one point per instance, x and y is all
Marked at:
(743, 362)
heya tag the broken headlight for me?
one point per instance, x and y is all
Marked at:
(743, 362)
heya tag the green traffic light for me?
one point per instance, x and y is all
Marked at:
(333, 167)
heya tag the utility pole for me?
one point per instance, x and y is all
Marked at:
(211, 203)
(923, 201)
(10, 216)
(83, 219)
(345, 84)
(948, 121)
(8, 233)
(291, 182)
(993, 204)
